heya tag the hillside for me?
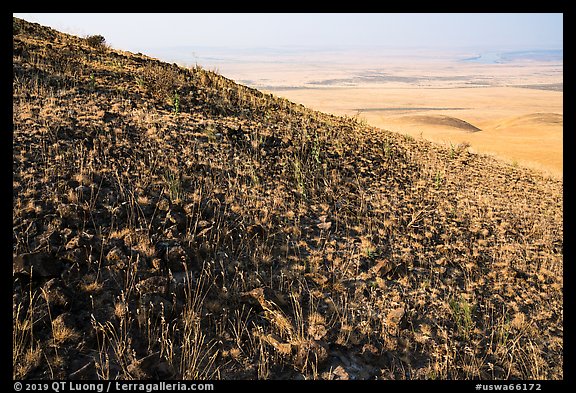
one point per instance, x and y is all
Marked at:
(170, 223)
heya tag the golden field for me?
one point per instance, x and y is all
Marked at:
(517, 106)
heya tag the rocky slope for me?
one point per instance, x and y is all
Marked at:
(170, 223)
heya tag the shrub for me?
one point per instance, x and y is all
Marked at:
(96, 41)
(161, 82)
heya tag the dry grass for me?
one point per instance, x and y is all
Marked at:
(248, 237)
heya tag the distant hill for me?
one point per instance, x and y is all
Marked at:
(444, 121)
(553, 55)
(169, 223)
(534, 55)
(543, 119)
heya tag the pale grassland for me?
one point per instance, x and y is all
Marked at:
(485, 95)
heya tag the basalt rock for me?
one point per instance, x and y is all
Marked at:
(40, 265)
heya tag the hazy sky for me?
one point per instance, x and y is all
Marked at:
(137, 32)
